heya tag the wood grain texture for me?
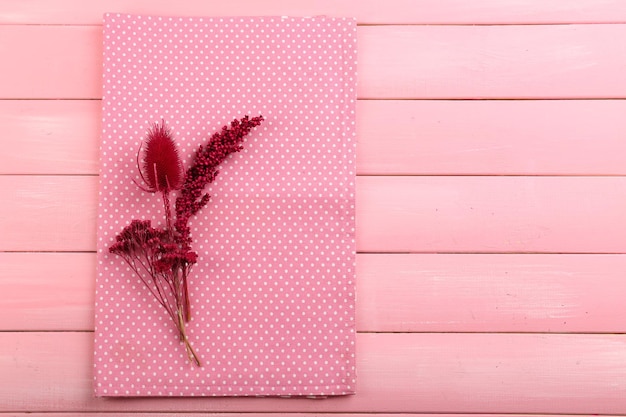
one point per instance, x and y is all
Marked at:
(491, 214)
(366, 11)
(48, 213)
(395, 137)
(491, 137)
(490, 293)
(53, 51)
(475, 62)
(396, 293)
(50, 136)
(394, 214)
(40, 67)
(47, 291)
(448, 62)
(403, 373)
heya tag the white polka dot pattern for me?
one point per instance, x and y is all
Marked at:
(273, 291)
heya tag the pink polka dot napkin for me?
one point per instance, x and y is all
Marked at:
(272, 293)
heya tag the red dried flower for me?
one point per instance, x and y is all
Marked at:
(162, 169)
(203, 169)
(162, 257)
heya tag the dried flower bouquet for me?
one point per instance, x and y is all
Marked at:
(162, 256)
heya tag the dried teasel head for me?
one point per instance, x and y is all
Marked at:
(161, 169)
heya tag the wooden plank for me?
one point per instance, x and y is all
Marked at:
(40, 67)
(490, 293)
(474, 62)
(395, 137)
(396, 293)
(48, 213)
(491, 214)
(366, 11)
(394, 214)
(47, 291)
(50, 136)
(449, 62)
(403, 373)
(485, 137)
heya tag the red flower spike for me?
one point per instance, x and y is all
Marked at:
(162, 169)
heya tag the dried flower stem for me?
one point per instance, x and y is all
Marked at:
(191, 354)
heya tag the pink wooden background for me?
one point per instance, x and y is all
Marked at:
(491, 219)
